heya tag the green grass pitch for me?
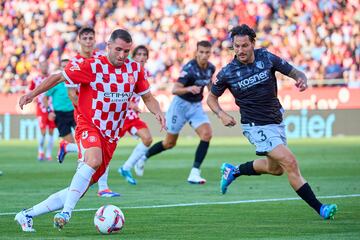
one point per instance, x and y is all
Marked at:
(331, 166)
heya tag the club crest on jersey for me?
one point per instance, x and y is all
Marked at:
(74, 67)
(260, 64)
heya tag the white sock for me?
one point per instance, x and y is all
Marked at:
(52, 203)
(78, 186)
(138, 151)
(71, 147)
(50, 141)
(102, 182)
(41, 141)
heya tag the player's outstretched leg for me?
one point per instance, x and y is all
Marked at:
(54, 202)
(25, 221)
(328, 211)
(60, 219)
(227, 176)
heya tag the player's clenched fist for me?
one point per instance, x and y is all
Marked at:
(25, 99)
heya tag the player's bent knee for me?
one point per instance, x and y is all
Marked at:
(292, 164)
(147, 141)
(278, 172)
(206, 137)
(93, 163)
(168, 145)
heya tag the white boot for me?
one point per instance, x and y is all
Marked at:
(25, 221)
(195, 178)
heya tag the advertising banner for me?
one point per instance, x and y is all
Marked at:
(300, 124)
(322, 98)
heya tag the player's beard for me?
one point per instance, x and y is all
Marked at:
(244, 57)
(116, 62)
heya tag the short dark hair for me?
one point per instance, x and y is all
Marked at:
(122, 34)
(84, 30)
(203, 43)
(140, 47)
(243, 30)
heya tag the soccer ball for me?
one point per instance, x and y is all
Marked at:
(109, 219)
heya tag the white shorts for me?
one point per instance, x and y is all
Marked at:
(181, 111)
(265, 138)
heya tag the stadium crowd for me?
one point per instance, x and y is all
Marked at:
(319, 37)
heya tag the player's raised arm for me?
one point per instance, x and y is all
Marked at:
(214, 105)
(48, 83)
(300, 78)
(153, 105)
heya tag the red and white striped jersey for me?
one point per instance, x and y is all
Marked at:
(40, 98)
(105, 91)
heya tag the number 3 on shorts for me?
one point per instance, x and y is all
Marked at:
(262, 135)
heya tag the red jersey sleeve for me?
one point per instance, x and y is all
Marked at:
(142, 86)
(76, 73)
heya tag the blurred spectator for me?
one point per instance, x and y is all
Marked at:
(352, 77)
(321, 37)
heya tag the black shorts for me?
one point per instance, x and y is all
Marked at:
(64, 122)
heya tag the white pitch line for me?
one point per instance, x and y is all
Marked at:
(207, 203)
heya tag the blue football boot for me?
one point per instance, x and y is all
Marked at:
(227, 176)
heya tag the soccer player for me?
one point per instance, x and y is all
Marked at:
(86, 40)
(186, 107)
(67, 144)
(106, 85)
(250, 77)
(42, 113)
(133, 124)
(63, 112)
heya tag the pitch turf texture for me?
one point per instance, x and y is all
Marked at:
(331, 166)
